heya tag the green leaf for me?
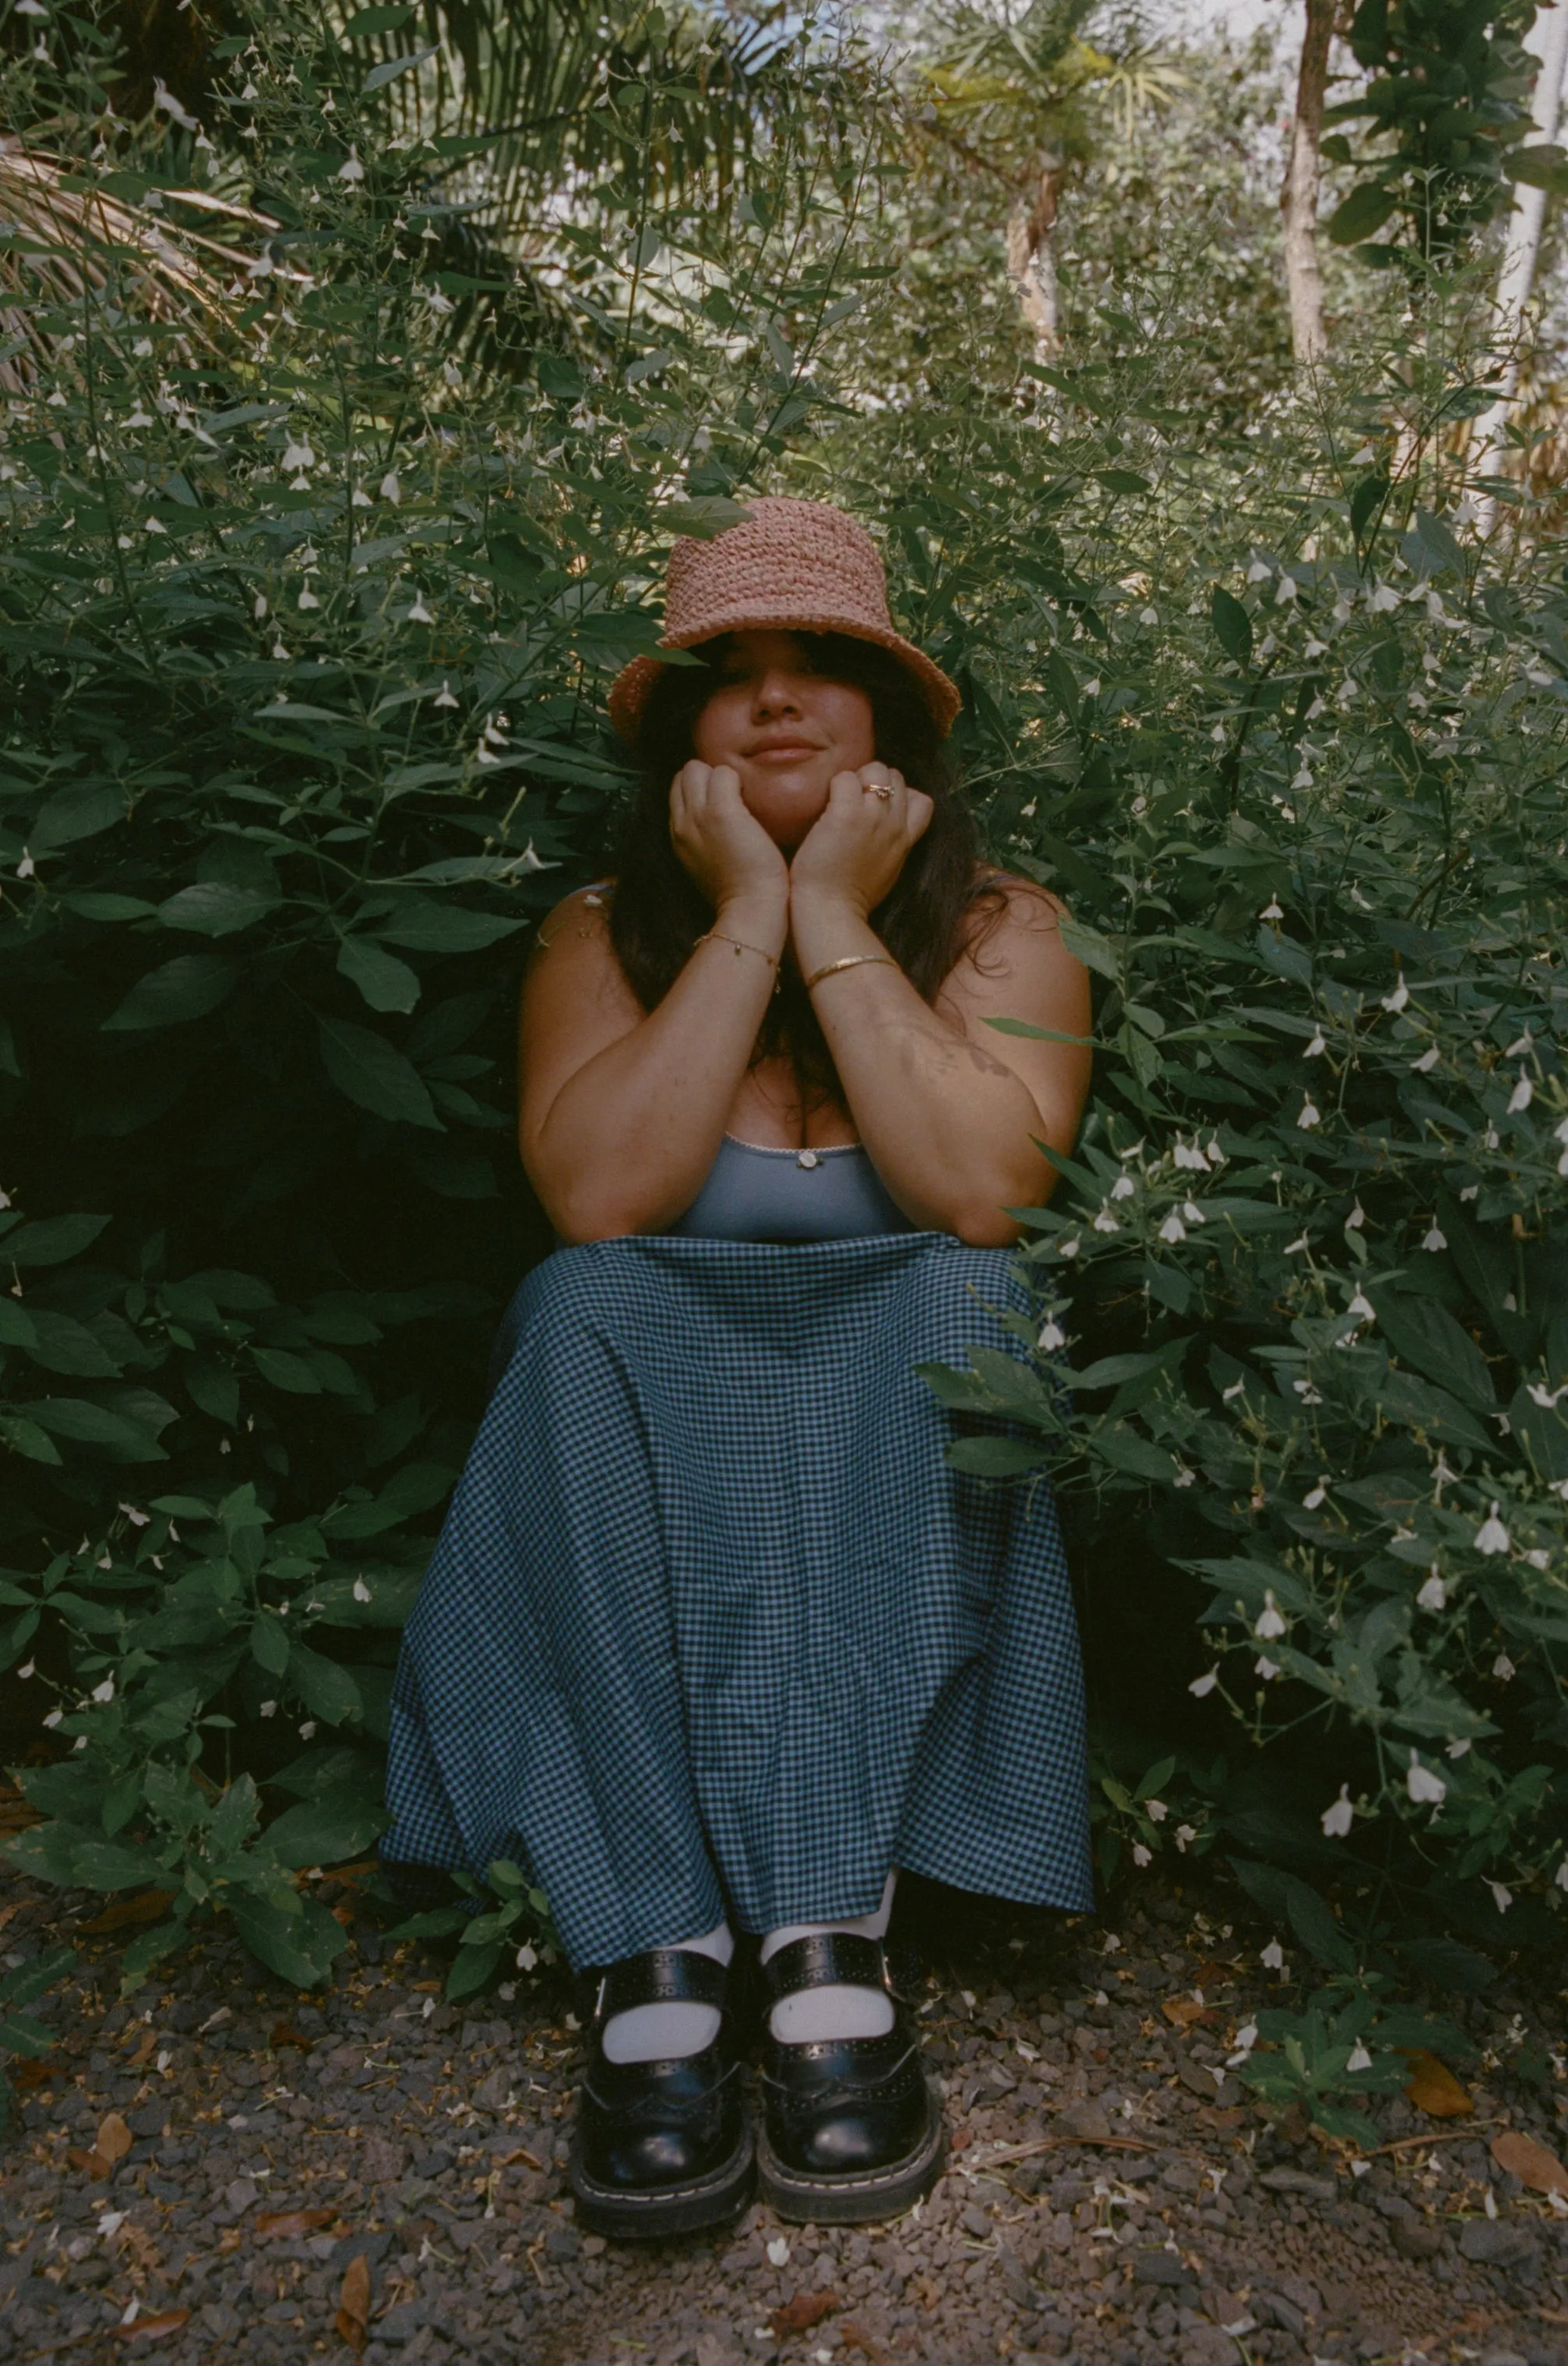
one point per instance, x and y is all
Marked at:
(374, 1072)
(1425, 1334)
(319, 1832)
(95, 1424)
(429, 928)
(299, 1947)
(148, 1950)
(25, 1983)
(1365, 502)
(1288, 1898)
(472, 1969)
(215, 908)
(1359, 215)
(184, 988)
(1539, 167)
(287, 1371)
(390, 68)
(386, 983)
(368, 22)
(328, 1690)
(52, 1240)
(994, 1458)
(269, 1643)
(1232, 625)
(1122, 480)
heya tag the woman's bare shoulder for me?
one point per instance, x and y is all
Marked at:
(1015, 902)
(586, 908)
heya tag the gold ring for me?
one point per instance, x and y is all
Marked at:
(875, 789)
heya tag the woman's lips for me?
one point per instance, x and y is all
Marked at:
(790, 751)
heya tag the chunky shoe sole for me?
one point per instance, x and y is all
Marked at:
(861, 2200)
(626, 2217)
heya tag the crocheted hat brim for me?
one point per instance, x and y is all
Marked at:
(629, 691)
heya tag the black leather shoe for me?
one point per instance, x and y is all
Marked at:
(851, 2130)
(661, 2148)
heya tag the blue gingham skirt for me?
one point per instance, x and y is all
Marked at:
(713, 1630)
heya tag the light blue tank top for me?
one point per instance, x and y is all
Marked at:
(753, 1193)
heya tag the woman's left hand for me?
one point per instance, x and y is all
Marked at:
(854, 850)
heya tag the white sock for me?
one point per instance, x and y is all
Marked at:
(666, 2032)
(839, 2011)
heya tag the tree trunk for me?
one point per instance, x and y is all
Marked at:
(1298, 199)
(1520, 252)
(1031, 257)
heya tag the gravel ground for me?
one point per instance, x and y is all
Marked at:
(1109, 2200)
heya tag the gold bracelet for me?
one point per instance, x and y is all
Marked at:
(850, 960)
(717, 937)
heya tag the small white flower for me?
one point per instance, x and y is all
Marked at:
(1522, 1049)
(1362, 1308)
(1201, 1686)
(1272, 910)
(26, 868)
(1428, 1060)
(1068, 1248)
(298, 456)
(1360, 2059)
(308, 598)
(268, 1708)
(1188, 1155)
(526, 1958)
(1052, 1337)
(1260, 571)
(1383, 601)
(419, 614)
(106, 1691)
(1492, 1537)
(152, 526)
(1123, 1187)
(1425, 1788)
(1273, 1956)
(1356, 1217)
(1337, 1820)
(1172, 1229)
(54, 1717)
(389, 489)
(1293, 1247)
(1459, 1749)
(1141, 1855)
(308, 1730)
(1156, 1810)
(1539, 1558)
(1560, 1879)
(1398, 999)
(1148, 615)
(1105, 1222)
(1317, 1048)
(1521, 1097)
(1546, 1398)
(1246, 2039)
(1310, 1116)
(1502, 1898)
(25, 1673)
(1286, 592)
(1271, 1622)
(259, 607)
(1435, 1239)
(352, 170)
(1316, 1495)
(1503, 1669)
(1185, 1478)
(1432, 1596)
(443, 696)
(1193, 1213)
(361, 1591)
(778, 2252)
(1184, 1833)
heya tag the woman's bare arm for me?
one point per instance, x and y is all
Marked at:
(948, 1107)
(622, 1110)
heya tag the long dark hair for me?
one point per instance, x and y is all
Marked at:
(926, 921)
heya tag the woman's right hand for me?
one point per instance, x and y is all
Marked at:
(722, 844)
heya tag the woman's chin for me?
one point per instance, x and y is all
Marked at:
(786, 808)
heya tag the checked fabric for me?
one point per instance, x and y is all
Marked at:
(712, 1627)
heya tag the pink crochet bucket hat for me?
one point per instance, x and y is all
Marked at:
(787, 566)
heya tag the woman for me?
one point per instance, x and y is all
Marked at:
(713, 1637)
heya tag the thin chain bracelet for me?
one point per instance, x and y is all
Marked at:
(717, 937)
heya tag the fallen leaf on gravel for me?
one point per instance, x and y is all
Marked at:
(517, 2152)
(855, 2337)
(1182, 2011)
(1433, 2088)
(354, 2303)
(1530, 2161)
(807, 2308)
(961, 2140)
(114, 2139)
(127, 1912)
(154, 2328)
(27, 2073)
(292, 2222)
(1208, 2116)
(284, 2034)
(144, 2048)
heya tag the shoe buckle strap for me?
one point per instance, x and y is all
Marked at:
(660, 1976)
(827, 1959)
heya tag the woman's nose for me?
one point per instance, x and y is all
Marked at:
(776, 693)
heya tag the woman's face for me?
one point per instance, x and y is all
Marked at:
(784, 730)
